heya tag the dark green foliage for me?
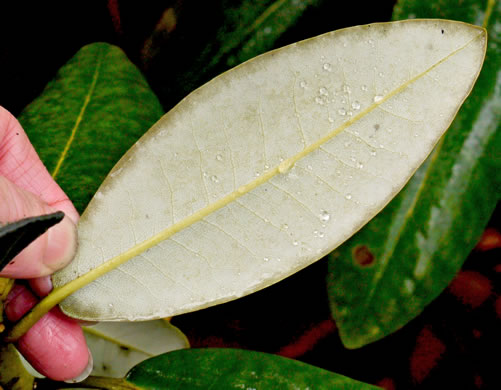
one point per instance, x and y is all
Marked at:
(234, 369)
(98, 105)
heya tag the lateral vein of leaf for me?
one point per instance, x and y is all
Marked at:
(96, 333)
(60, 293)
(78, 120)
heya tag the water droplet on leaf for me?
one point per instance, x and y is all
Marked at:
(324, 215)
(285, 165)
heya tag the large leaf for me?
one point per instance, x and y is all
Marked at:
(16, 236)
(85, 120)
(234, 369)
(268, 167)
(386, 274)
(118, 346)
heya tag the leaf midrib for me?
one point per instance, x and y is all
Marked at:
(80, 116)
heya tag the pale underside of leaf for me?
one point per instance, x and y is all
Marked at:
(269, 167)
(117, 347)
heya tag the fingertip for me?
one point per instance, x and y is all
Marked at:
(19, 301)
(61, 245)
(41, 286)
(55, 346)
(86, 372)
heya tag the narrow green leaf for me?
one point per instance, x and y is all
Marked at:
(262, 25)
(385, 275)
(88, 116)
(246, 29)
(16, 236)
(234, 369)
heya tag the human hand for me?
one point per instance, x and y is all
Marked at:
(55, 345)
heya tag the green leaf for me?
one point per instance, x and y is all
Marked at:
(267, 168)
(246, 29)
(88, 116)
(16, 236)
(234, 369)
(386, 274)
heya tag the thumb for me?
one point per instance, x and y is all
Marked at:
(49, 252)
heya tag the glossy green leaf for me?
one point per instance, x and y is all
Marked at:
(386, 274)
(267, 168)
(16, 236)
(88, 116)
(246, 29)
(118, 346)
(224, 369)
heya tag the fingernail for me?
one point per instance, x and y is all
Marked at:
(84, 375)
